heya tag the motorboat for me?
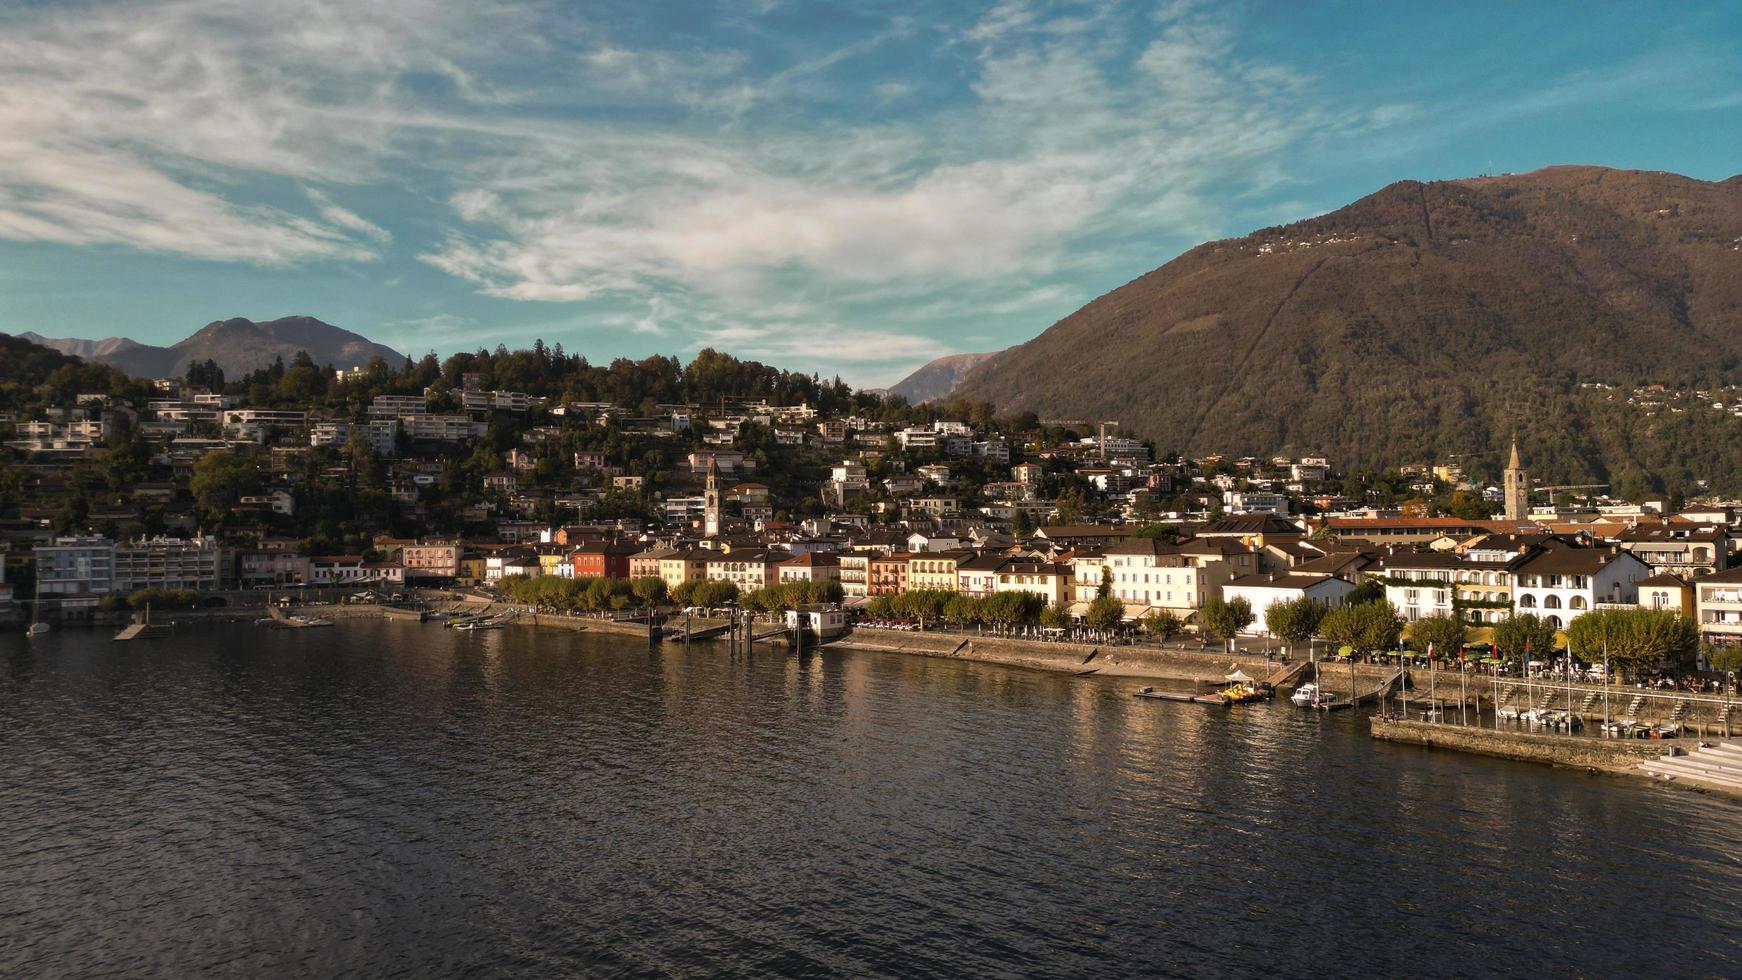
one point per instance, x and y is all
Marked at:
(478, 625)
(1310, 696)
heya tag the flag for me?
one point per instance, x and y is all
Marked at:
(1462, 654)
(1430, 651)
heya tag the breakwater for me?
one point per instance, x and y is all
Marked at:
(1149, 663)
(1602, 755)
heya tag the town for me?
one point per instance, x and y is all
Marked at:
(183, 490)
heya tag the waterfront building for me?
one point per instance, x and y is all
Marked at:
(1718, 602)
(1264, 591)
(431, 560)
(169, 563)
(855, 573)
(606, 559)
(1560, 581)
(929, 569)
(75, 566)
(1049, 580)
(888, 573)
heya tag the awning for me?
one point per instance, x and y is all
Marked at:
(1136, 610)
(856, 602)
(1079, 609)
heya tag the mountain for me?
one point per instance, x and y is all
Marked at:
(84, 349)
(1423, 320)
(938, 378)
(237, 345)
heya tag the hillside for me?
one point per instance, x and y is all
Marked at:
(937, 379)
(237, 345)
(1422, 320)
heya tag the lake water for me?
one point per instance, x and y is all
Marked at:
(386, 799)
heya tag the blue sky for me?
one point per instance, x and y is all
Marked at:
(850, 189)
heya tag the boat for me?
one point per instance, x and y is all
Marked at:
(37, 627)
(1310, 696)
(480, 625)
(1243, 694)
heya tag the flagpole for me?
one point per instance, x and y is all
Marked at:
(1569, 684)
(1605, 685)
(1463, 689)
(1433, 690)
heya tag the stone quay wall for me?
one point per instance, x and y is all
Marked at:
(1603, 755)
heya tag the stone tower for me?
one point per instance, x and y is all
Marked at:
(711, 501)
(1517, 488)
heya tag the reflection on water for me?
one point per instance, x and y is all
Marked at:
(394, 798)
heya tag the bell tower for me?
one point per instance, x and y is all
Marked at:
(1517, 487)
(711, 500)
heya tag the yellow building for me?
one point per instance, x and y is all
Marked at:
(935, 569)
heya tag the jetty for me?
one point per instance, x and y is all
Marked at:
(1185, 696)
(143, 629)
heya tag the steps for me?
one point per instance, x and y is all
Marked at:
(1632, 712)
(1719, 766)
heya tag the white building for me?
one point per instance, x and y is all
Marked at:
(75, 566)
(1561, 581)
(1264, 591)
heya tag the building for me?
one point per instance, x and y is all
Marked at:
(1049, 580)
(440, 428)
(169, 563)
(711, 500)
(854, 573)
(604, 559)
(398, 406)
(431, 560)
(1516, 489)
(748, 569)
(1264, 591)
(888, 573)
(1146, 574)
(267, 568)
(1681, 549)
(928, 569)
(1718, 601)
(811, 566)
(1560, 581)
(1666, 591)
(337, 570)
(75, 566)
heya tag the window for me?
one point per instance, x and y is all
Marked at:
(1576, 602)
(1551, 602)
(1527, 602)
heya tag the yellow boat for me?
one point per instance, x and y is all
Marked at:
(1243, 694)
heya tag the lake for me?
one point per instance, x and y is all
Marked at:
(382, 799)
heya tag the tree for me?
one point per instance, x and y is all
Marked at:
(1069, 506)
(1104, 613)
(1368, 590)
(222, 479)
(1636, 639)
(1294, 621)
(1445, 633)
(1161, 623)
(1223, 619)
(1379, 625)
(1056, 616)
(649, 589)
(1520, 633)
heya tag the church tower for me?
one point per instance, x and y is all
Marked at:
(1517, 488)
(711, 501)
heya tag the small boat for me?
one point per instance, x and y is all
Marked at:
(1507, 714)
(477, 626)
(1310, 696)
(1432, 714)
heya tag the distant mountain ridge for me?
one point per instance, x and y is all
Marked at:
(237, 345)
(1422, 320)
(938, 378)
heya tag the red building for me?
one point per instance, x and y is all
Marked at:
(603, 559)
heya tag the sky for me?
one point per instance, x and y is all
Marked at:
(849, 189)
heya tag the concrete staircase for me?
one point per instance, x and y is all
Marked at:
(1719, 766)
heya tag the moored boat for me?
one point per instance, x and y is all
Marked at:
(1309, 695)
